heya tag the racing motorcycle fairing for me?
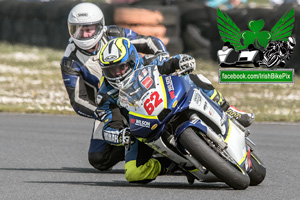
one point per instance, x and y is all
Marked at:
(210, 112)
(153, 100)
(196, 124)
(214, 119)
(151, 105)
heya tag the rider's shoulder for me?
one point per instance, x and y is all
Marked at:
(115, 31)
(70, 48)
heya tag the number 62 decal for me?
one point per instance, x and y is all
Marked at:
(152, 102)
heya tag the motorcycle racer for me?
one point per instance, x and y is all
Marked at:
(119, 59)
(277, 52)
(82, 73)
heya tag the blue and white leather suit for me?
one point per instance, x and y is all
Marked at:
(81, 73)
(139, 164)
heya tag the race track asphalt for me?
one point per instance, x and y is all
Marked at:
(45, 157)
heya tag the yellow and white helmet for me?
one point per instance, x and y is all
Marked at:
(119, 59)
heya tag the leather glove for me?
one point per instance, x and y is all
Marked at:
(162, 54)
(125, 138)
(187, 62)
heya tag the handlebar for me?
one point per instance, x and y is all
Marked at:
(178, 73)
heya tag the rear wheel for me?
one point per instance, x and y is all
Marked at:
(258, 173)
(232, 175)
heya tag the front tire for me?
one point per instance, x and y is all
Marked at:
(224, 170)
(258, 173)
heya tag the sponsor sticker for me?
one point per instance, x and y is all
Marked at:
(205, 105)
(132, 121)
(170, 87)
(142, 123)
(143, 74)
(147, 82)
(154, 127)
(211, 111)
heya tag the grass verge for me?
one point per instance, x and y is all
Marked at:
(31, 82)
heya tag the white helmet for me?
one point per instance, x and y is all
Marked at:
(86, 25)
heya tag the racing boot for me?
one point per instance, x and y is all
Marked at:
(245, 119)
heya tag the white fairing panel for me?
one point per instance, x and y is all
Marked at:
(234, 137)
(236, 144)
(149, 98)
(161, 148)
(200, 104)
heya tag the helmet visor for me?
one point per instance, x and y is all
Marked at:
(117, 73)
(85, 31)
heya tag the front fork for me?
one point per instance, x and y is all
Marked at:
(211, 134)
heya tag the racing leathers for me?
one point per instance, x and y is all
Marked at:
(140, 166)
(82, 73)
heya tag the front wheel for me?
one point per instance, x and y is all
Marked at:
(232, 175)
(258, 172)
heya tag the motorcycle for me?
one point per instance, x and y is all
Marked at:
(181, 123)
(277, 52)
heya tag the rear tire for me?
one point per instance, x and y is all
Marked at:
(258, 173)
(224, 170)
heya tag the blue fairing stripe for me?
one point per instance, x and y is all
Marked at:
(209, 93)
(70, 80)
(194, 123)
